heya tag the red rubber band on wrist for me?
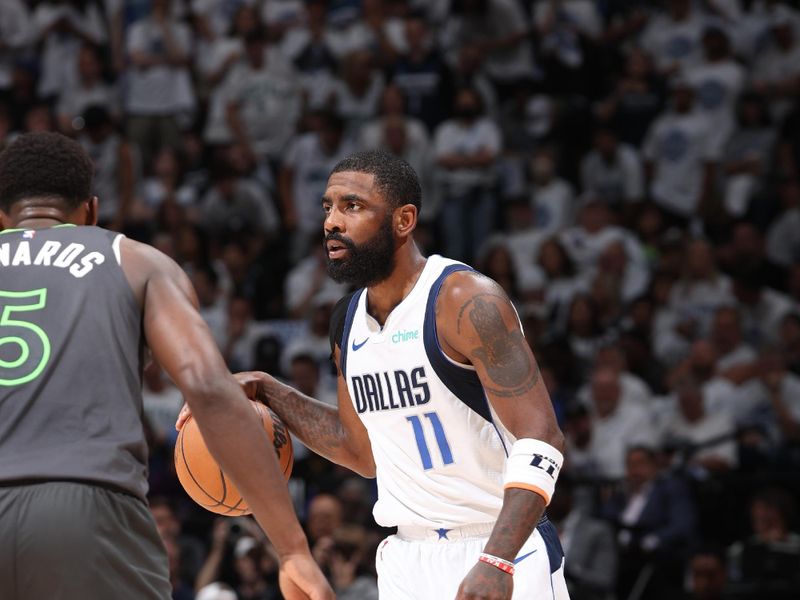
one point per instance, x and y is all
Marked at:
(499, 563)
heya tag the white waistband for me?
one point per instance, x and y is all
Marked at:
(444, 534)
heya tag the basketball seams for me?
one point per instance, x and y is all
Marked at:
(192, 484)
(216, 503)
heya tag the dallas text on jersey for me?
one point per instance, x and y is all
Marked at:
(390, 390)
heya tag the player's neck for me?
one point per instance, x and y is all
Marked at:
(383, 297)
(33, 214)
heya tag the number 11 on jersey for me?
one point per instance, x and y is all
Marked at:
(422, 444)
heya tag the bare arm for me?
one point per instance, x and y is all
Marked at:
(338, 435)
(477, 324)
(182, 344)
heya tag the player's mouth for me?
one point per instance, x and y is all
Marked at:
(336, 249)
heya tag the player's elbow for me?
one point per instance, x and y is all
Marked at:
(202, 393)
(363, 466)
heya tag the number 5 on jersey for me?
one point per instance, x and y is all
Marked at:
(28, 360)
(422, 444)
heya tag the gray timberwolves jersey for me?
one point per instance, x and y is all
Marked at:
(70, 341)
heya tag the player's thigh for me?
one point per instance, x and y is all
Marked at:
(410, 570)
(81, 542)
(539, 567)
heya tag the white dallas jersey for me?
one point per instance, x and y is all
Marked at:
(438, 447)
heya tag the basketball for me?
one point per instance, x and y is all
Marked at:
(202, 477)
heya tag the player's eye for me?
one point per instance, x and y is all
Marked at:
(354, 206)
(327, 208)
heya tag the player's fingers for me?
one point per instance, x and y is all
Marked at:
(289, 589)
(249, 382)
(183, 416)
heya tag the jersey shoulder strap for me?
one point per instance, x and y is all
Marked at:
(338, 317)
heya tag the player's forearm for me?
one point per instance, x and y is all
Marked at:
(520, 513)
(316, 424)
(243, 451)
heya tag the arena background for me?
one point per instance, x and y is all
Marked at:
(627, 171)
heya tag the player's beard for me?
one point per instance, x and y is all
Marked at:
(365, 264)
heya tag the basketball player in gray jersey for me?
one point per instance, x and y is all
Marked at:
(77, 306)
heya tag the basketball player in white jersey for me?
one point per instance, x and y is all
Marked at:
(440, 398)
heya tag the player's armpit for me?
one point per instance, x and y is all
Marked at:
(477, 324)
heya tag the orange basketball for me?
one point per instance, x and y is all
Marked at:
(202, 478)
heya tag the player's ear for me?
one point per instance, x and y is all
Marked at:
(405, 220)
(5, 221)
(91, 211)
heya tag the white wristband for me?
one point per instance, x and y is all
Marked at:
(533, 465)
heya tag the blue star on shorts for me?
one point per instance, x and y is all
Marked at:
(442, 533)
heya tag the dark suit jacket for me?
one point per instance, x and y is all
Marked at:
(669, 514)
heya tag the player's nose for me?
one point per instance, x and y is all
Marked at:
(333, 221)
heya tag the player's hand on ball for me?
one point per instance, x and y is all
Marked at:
(485, 582)
(183, 416)
(300, 578)
(250, 382)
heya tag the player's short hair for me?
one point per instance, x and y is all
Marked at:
(45, 165)
(394, 177)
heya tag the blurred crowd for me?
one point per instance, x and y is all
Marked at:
(629, 172)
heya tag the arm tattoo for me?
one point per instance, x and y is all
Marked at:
(503, 352)
(315, 423)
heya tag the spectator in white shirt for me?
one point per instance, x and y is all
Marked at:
(783, 243)
(466, 148)
(215, 60)
(783, 390)
(611, 171)
(717, 81)
(552, 198)
(160, 93)
(15, 33)
(776, 70)
(116, 167)
(726, 336)
(701, 289)
(633, 390)
(747, 156)
(87, 90)
(236, 206)
(762, 309)
(616, 425)
(357, 95)
(263, 100)
(593, 233)
(304, 175)
(62, 27)
(501, 29)
(706, 438)
(680, 153)
(672, 37)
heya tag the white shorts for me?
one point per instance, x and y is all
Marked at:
(425, 564)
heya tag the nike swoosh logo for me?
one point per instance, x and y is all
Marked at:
(358, 346)
(519, 559)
